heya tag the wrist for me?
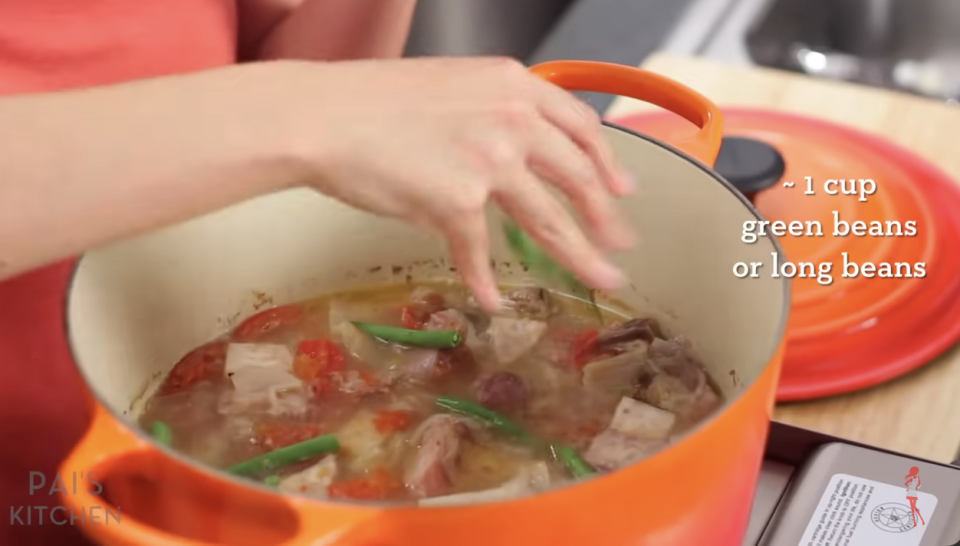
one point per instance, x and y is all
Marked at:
(272, 133)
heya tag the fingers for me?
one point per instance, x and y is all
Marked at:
(530, 204)
(470, 249)
(583, 126)
(557, 159)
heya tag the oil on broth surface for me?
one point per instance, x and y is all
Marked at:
(537, 395)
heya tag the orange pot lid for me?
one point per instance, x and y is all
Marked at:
(852, 332)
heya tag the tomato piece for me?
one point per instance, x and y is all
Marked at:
(388, 421)
(378, 485)
(410, 318)
(368, 378)
(265, 321)
(584, 346)
(277, 435)
(205, 363)
(317, 357)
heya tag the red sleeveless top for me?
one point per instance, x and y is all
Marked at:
(48, 45)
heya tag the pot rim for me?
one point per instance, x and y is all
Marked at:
(142, 435)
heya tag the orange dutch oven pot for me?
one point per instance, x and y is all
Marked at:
(136, 306)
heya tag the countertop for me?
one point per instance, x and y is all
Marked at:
(918, 414)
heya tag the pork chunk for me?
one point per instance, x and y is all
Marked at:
(511, 338)
(612, 450)
(502, 391)
(635, 418)
(440, 442)
(676, 382)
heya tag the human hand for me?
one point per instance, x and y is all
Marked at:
(432, 141)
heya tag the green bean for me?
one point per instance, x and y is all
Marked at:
(527, 250)
(272, 481)
(566, 455)
(487, 416)
(574, 462)
(286, 455)
(162, 433)
(419, 338)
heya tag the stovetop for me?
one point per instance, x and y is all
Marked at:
(817, 490)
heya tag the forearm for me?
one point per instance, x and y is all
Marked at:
(83, 168)
(341, 30)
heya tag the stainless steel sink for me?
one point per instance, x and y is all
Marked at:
(910, 45)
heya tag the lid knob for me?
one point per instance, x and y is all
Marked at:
(750, 165)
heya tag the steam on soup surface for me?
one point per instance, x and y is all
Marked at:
(319, 398)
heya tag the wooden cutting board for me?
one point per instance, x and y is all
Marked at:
(918, 414)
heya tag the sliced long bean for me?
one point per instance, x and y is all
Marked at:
(161, 433)
(490, 417)
(286, 455)
(526, 249)
(272, 481)
(565, 454)
(439, 339)
(573, 461)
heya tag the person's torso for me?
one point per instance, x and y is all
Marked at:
(912, 487)
(50, 45)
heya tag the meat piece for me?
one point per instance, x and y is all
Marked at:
(440, 441)
(676, 382)
(612, 450)
(616, 375)
(502, 391)
(459, 358)
(511, 338)
(635, 418)
(312, 480)
(626, 336)
(261, 374)
(424, 303)
(530, 301)
(456, 359)
(530, 479)
(448, 319)
(420, 364)
(430, 300)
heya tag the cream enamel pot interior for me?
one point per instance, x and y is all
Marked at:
(137, 306)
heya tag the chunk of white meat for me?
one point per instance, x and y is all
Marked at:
(261, 373)
(511, 338)
(361, 442)
(439, 441)
(617, 374)
(453, 319)
(677, 382)
(613, 450)
(635, 418)
(637, 430)
(313, 480)
(530, 479)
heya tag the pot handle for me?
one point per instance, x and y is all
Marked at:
(107, 441)
(636, 83)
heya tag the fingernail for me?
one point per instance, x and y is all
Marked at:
(607, 277)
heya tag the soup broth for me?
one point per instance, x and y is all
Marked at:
(411, 393)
